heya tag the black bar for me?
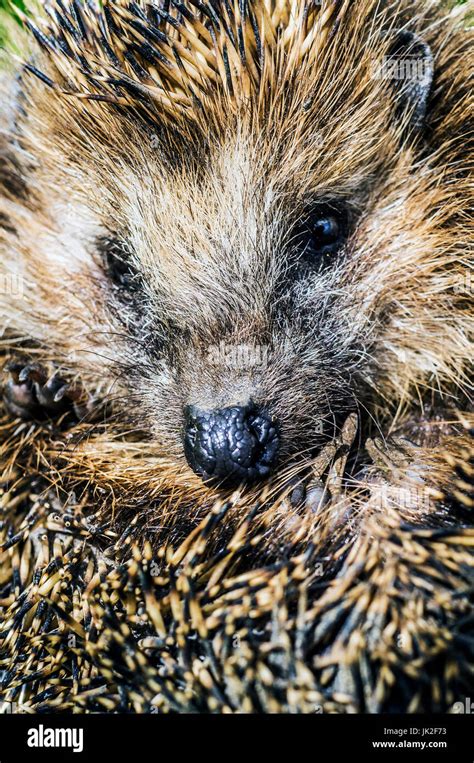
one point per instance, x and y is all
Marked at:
(114, 738)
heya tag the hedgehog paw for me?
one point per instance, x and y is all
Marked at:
(30, 393)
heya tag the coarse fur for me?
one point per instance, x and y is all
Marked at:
(191, 141)
(95, 620)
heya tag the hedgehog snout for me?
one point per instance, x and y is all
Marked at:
(231, 445)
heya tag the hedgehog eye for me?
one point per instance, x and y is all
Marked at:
(116, 262)
(326, 231)
(323, 232)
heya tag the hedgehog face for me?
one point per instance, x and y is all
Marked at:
(230, 285)
(240, 248)
(248, 296)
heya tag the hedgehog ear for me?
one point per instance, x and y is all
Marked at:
(409, 65)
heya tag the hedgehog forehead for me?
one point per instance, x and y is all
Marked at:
(243, 181)
(196, 228)
(229, 219)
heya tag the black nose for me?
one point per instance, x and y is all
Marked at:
(232, 445)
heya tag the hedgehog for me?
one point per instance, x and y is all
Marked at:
(237, 319)
(96, 620)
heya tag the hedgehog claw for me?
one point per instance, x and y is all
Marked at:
(33, 373)
(83, 405)
(18, 393)
(62, 391)
(46, 395)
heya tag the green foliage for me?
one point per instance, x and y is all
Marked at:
(5, 6)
